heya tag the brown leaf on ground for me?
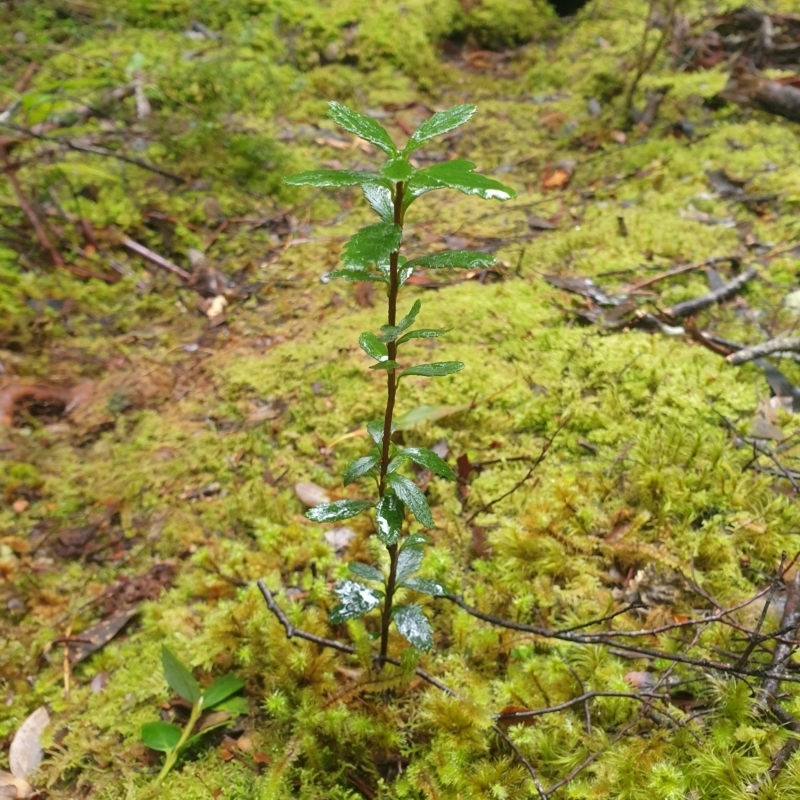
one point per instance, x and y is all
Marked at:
(148, 586)
(98, 636)
(26, 753)
(310, 494)
(12, 787)
(60, 400)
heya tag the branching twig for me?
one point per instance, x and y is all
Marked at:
(483, 509)
(94, 150)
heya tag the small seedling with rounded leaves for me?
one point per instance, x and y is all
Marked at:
(169, 738)
(374, 254)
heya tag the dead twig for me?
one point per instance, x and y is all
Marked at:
(690, 307)
(154, 258)
(765, 348)
(291, 631)
(483, 509)
(91, 149)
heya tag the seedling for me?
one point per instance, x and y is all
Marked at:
(373, 254)
(169, 738)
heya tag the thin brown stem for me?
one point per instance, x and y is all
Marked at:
(391, 393)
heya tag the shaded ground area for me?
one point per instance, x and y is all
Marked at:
(157, 416)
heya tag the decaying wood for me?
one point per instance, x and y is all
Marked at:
(748, 87)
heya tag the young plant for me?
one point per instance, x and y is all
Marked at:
(373, 254)
(169, 738)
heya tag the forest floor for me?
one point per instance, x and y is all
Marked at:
(162, 423)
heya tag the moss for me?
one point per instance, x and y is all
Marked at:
(644, 475)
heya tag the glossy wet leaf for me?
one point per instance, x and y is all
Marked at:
(362, 126)
(426, 586)
(412, 497)
(467, 259)
(423, 333)
(358, 468)
(398, 169)
(373, 346)
(331, 178)
(457, 174)
(221, 689)
(357, 275)
(436, 370)
(386, 365)
(178, 676)
(355, 599)
(379, 198)
(409, 560)
(375, 430)
(372, 245)
(161, 736)
(408, 320)
(413, 626)
(440, 123)
(365, 571)
(415, 540)
(337, 510)
(389, 518)
(426, 458)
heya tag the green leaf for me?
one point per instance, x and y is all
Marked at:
(362, 126)
(162, 736)
(180, 680)
(426, 586)
(372, 245)
(355, 599)
(427, 414)
(389, 519)
(235, 706)
(440, 123)
(397, 169)
(409, 493)
(403, 274)
(365, 572)
(360, 275)
(415, 540)
(386, 365)
(408, 562)
(358, 468)
(435, 370)
(408, 320)
(335, 178)
(467, 259)
(423, 333)
(413, 625)
(373, 346)
(221, 689)
(380, 200)
(337, 510)
(457, 174)
(375, 430)
(426, 458)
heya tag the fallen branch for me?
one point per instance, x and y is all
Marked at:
(690, 307)
(154, 258)
(87, 148)
(768, 695)
(776, 345)
(291, 631)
